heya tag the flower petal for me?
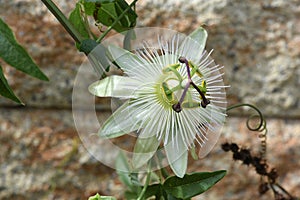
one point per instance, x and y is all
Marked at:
(119, 123)
(177, 156)
(125, 59)
(179, 166)
(144, 149)
(114, 86)
(193, 45)
(212, 136)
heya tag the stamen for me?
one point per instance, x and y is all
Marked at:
(177, 107)
(204, 101)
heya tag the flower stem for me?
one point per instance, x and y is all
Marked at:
(115, 22)
(146, 183)
(63, 20)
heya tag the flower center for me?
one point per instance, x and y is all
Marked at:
(175, 90)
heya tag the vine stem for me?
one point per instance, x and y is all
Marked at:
(283, 190)
(146, 183)
(262, 120)
(63, 20)
(115, 22)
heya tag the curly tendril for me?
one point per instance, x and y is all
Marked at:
(260, 127)
(268, 177)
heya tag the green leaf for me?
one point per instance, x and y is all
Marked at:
(154, 190)
(131, 195)
(192, 184)
(89, 7)
(98, 197)
(15, 55)
(5, 89)
(77, 20)
(106, 13)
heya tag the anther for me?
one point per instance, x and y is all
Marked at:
(182, 59)
(177, 107)
(205, 102)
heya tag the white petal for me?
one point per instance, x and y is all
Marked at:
(179, 166)
(212, 138)
(125, 59)
(114, 86)
(119, 123)
(177, 155)
(144, 149)
(193, 45)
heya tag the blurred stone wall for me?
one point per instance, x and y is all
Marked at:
(258, 42)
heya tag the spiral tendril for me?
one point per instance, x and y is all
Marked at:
(260, 127)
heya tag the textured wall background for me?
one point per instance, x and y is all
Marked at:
(258, 42)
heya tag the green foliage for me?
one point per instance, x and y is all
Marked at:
(87, 46)
(192, 184)
(173, 187)
(76, 19)
(107, 11)
(16, 56)
(116, 14)
(5, 89)
(128, 179)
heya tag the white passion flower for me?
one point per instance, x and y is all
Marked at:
(175, 97)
